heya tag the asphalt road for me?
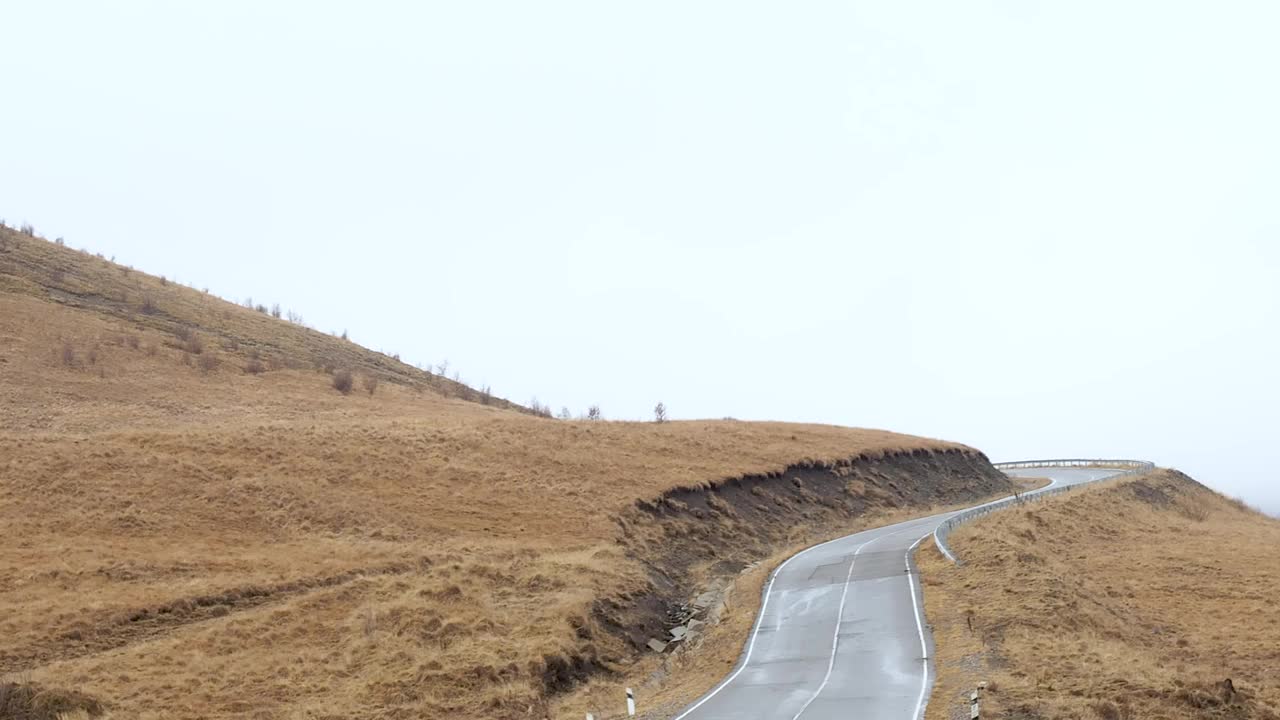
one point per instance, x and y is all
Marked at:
(840, 632)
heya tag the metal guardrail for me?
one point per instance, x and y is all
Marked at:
(1126, 467)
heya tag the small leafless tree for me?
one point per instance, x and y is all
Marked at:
(275, 311)
(565, 414)
(660, 413)
(294, 317)
(593, 413)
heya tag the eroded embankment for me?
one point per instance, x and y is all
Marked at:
(692, 542)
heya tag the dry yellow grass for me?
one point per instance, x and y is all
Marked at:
(189, 538)
(1135, 599)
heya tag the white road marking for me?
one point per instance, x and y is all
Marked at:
(835, 640)
(924, 648)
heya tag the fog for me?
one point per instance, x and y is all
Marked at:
(1040, 229)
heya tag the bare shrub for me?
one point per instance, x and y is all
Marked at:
(152, 350)
(660, 413)
(593, 413)
(344, 334)
(294, 317)
(148, 306)
(343, 381)
(28, 229)
(1193, 511)
(261, 308)
(565, 414)
(68, 355)
(254, 367)
(275, 311)
(164, 280)
(25, 699)
(195, 345)
(92, 357)
(208, 362)
(369, 382)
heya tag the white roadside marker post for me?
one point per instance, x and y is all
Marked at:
(973, 706)
(631, 703)
(590, 716)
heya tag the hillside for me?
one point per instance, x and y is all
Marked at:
(194, 538)
(1146, 597)
(131, 323)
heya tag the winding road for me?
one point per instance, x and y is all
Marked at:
(841, 631)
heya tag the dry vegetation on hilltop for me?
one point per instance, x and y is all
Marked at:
(159, 318)
(237, 537)
(1139, 598)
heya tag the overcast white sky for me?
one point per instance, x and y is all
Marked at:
(1044, 229)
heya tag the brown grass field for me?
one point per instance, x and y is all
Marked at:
(1139, 598)
(197, 524)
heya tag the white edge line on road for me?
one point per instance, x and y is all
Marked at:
(924, 648)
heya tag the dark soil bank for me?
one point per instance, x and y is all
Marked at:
(690, 536)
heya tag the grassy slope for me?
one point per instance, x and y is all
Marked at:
(188, 542)
(157, 310)
(1136, 599)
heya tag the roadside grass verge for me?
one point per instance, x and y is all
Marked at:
(1143, 597)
